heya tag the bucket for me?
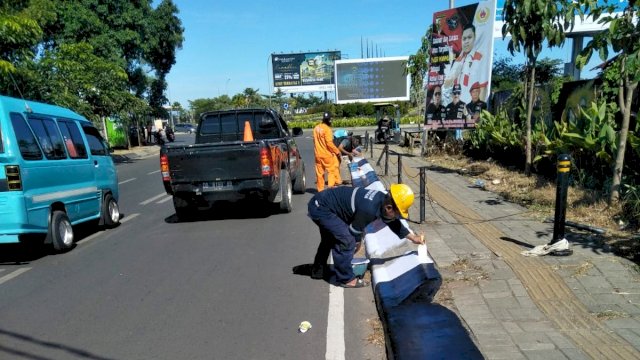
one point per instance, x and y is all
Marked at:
(359, 266)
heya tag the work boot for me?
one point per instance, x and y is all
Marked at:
(317, 271)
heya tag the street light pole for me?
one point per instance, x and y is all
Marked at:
(268, 79)
(226, 87)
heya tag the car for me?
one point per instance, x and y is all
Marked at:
(57, 171)
(185, 127)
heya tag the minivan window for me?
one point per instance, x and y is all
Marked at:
(72, 139)
(96, 143)
(27, 143)
(49, 137)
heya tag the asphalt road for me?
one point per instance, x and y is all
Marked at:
(218, 287)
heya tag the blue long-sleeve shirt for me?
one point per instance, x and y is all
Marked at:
(358, 207)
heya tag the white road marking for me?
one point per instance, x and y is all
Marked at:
(335, 324)
(165, 200)
(153, 172)
(13, 274)
(89, 239)
(129, 217)
(153, 199)
(126, 181)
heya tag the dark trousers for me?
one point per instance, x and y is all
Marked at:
(336, 238)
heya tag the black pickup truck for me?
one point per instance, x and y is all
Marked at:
(237, 154)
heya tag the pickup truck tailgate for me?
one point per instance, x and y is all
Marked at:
(214, 162)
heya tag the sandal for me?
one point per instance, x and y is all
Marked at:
(358, 284)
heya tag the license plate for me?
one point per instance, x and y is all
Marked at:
(217, 186)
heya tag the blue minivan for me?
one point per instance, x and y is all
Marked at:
(56, 171)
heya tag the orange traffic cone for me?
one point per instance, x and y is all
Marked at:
(248, 134)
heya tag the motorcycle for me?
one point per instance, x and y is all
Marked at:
(171, 136)
(158, 137)
(384, 132)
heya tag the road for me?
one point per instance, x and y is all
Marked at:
(218, 287)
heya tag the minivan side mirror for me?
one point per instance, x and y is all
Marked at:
(297, 131)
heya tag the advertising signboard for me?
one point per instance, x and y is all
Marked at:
(304, 72)
(459, 77)
(372, 80)
(582, 26)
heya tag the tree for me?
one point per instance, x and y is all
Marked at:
(252, 97)
(130, 34)
(622, 35)
(20, 32)
(505, 75)
(530, 23)
(418, 66)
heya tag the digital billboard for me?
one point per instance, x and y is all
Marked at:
(581, 26)
(372, 80)
(304, 72)
(459, 74)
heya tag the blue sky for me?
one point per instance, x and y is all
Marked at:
(228, 44)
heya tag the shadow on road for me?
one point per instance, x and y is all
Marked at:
(40, 346)
(223, 210)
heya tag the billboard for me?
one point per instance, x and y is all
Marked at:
(372, 80)
(582, 26)
(459, 76)
(304, 72)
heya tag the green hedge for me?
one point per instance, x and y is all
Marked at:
(308, 121)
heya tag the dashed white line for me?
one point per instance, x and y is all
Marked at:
(126, 181)
(89, 239)
(13, 274)
(153, 172)
(165, 200)
(129, 217)
(153, 199)
(335, 324)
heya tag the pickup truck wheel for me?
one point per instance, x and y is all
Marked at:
(184, 209)
(300, 183)
(110, 211)
(60, 231)
(286, 189)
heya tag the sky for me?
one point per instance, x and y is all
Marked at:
(228, 44)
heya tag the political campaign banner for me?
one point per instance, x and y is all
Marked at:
(459, 76)
(304, 72)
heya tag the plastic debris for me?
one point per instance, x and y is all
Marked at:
(479, 184)
(304, 326)
(423, 257)
(559, 248)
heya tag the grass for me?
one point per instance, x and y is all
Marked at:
(537, 194)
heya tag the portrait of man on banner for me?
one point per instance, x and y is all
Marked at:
(460, 65)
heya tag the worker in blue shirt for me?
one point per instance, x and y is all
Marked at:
(342, 213)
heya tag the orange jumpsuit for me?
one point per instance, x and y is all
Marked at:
(326, 153)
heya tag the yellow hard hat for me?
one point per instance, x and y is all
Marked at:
(402, 196)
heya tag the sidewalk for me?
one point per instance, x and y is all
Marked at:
(582, 306)
(136, 152)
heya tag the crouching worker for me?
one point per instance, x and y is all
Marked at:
(342, 213)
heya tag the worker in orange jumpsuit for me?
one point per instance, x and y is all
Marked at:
(326, 153)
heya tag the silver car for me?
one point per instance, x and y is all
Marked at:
(185, 128)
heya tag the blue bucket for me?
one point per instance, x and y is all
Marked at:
(359, 266)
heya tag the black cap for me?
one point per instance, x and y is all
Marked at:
(326, 116)
(457, 89)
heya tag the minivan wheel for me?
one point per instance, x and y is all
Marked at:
(60, 231)
(110, 211)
